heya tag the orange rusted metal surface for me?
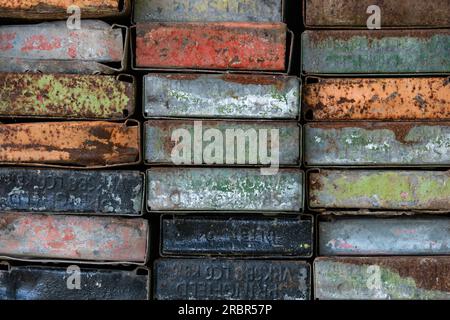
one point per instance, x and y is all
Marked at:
(81, 144)
(228, 45)
(377, 99)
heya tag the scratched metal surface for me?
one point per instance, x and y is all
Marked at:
(228, 96)
(223, 189)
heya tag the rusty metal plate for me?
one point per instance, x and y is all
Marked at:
(53, 48)
(228, 96)
(380, 189)
(347, 99)
(394, 13)
(382, 278)
(83, 144)
(223, 142)
(71, 191)
(208, 11)
(236, 236)
(377, 143)
(223, 279)
(216, 46)
(52, 283)
(66, 96)
(376, 51)
(365, 236)
(33, 236)
(224, 189)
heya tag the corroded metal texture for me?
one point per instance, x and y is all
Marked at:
(377, 143)
(57, 9)
(26, 236)
(224, 189)
(52, 47)
(51, 283)
(236, 236)
(376, 51)
(65, 96)
(206, 10)
(382, 278)
(394, 13)
(366, 236)
(380, 189)
(223, 279)
(77, 144)
(254, 139)
(228, 96)
(227, 45)
(71, 191)
(377, 99)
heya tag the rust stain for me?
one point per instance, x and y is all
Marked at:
(255, 79)
(64, 4)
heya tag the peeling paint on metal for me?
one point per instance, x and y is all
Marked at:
(197, 279)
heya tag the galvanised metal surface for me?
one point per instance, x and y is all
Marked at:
(377, 143)
(376, 51)
(84, 144)
(206, 10)
(224, 279)
(43, 237)
(382, 278)
(237, 236)
(51, 283)
(364, 236)
(65, 96)
(226, 45)
(353, 13)
(228, 96)
(346, 99)
(380, 189)
(223, 189)
(71, 191)
(251, 137)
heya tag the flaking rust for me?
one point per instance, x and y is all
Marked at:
(70, 144)
(377, 143)
(344, 99)
(25, 236)
(376, 51)
(382, 278)
(380, 189)
(65, 96)
(228, 96)
(226, 45)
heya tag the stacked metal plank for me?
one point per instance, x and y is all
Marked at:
(229, 228)
(379, 147)
(69, 225)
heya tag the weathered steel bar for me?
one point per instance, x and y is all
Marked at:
(376, 51)
(380, 189)
(71, 191)
(224, 189)
(52, 47)
(224, 279)
(244, 142)
(66, 96)
(228, 96)
(366, 236)
(58, 9)
(377, 143)
(236, 236)
(208, 11)
(212, 46)
(346, 99)
(382, 278)
(394, 13)
(43, 237)
(56, 283)
(80, 144)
